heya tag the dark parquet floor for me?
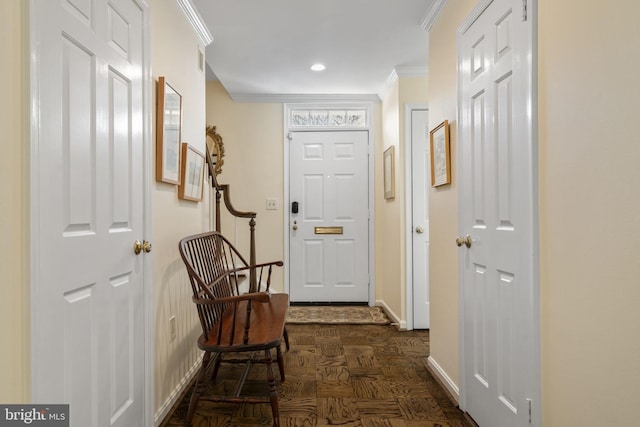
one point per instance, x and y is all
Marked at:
(366, 375)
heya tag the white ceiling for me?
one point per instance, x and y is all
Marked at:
(264, 48)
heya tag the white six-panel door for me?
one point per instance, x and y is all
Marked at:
(329, 181)
(497, 203)
(420, 183)
(87, 302)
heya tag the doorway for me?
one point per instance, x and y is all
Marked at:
(90, 291)
(498, 261)
(313, 134)
(417, 166)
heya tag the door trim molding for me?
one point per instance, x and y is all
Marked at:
(408, 154)
(369, 107)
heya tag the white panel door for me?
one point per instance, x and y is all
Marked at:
(329, 181)
(87, 302)
(497, 204)
(420, 185)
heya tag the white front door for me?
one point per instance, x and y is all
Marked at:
(420, 185)
(328, 236)
(497, 204)
(88, 78)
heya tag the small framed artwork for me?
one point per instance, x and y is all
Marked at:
(168, 128)
(191, 182)
(389, 173)
(440, 155)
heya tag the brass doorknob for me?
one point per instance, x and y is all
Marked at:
(295, 225)
(464, 240)
(419, 230)
(139, 247)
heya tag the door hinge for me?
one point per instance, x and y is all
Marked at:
(524, 10)
(290, 136)
(530, 421)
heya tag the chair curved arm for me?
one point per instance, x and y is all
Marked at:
(256, 296)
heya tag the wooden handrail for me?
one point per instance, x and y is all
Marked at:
(224, 189)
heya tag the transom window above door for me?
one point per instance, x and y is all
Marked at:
(342, 118)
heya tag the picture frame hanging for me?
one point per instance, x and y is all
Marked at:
(168, 133)
(440, 155)
(192, 177)
(389, 173)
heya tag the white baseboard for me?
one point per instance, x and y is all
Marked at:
(162, 412)
(395, 319)
(442, 376)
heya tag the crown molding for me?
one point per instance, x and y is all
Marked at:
(198, 24)
(432, 15)
(298, 98)
(386, 87)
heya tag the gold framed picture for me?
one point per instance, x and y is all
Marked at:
(168, 129)
(191, 185)
(440, 155)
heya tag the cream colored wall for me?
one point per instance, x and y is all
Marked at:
(391, 278)
(253, 167)
(14, 215)
(589, 177)
(589, 98)
(174, 55)
(443, 201)
(389, 251)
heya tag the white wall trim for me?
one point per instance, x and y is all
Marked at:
(445, 379)
(474, 15)
(198, 24)
(432, 15)
(177, 392)
(278, 98)
(395, 319)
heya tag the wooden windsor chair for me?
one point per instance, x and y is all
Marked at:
(238, 325)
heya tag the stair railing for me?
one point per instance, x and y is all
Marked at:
(223, 192)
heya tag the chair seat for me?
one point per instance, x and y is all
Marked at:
(267, 327)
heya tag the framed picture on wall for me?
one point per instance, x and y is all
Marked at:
(191, 183)
(440, 155)
(168, 129)
(389, 173)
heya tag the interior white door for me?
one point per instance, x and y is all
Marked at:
(420, 184)
(497, 205)
(87, 302)
(328, 236)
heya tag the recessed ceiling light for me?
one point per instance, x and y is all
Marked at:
(318, 67)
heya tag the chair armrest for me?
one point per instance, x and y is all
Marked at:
(256, 296)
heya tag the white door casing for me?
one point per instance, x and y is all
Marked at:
(89, 72)
(498, 273)
(328, 178)
(418, 230)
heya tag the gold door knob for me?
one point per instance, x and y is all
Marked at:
(464, 240)
(419, 230)
(139, 247)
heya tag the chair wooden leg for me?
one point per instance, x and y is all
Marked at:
(286, 338)
(216, 367)
(197, 389)
(273, 390)
(280, 363)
